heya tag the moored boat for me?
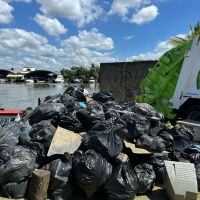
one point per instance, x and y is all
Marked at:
(92, 80)
(59, 79)
(9, 115)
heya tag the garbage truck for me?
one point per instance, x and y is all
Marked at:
(172, 86)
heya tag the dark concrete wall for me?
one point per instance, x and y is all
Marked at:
(123, 78)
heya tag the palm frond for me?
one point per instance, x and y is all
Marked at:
(177, 40)
(194, 31)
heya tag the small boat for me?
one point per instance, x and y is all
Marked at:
(9, 115)
(77, 80)
(59, 79)
(3, 80)
(29, 81)
(92, 80)
(40, 81)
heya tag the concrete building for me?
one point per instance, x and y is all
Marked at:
(122, 79)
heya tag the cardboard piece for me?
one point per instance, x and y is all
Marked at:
(136, 150)
(64, 141)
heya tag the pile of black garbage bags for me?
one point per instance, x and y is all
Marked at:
(95, 170)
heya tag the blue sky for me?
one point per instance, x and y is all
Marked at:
(55, 34)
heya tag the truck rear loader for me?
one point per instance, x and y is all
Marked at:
(173, 84)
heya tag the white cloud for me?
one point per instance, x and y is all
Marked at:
(90, 39)
(5, 12)
(129, 37)
(51, 26)
(158, 51)
(122, 7)
(19, 48)
(145, 15)
(79, 11)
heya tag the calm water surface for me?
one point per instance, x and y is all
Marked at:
(23, 95)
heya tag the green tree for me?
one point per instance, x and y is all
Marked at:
(94, 71)
(81, 72)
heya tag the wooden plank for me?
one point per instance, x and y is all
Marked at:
(39, 185)
(64, 141)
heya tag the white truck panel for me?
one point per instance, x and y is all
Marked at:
(187, 83)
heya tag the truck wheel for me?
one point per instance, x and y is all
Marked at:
(192, 113)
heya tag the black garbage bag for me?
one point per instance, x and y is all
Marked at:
(71, 103)
(91, 171)
(60, 171)
(15, 190)
(20, 166)
(156, 131)
(43, 133)
(127, 106)
(137, 124)
(69, 90)
(104, 139)
(135, 158)
(123, 183)
(68, 121)
(26, 114)
(111, 105)
(194, 158)
(95, 110)
(90, 115)
(146, 178)
(38, 148)
(153, 144)
(147, 110)
(46, 111)
(180, 130)
(160, 175)
(103, 97)
(179, 157)
(157, 161)
(168, 140)
(112, 115)
(180, 143)
(9, 137)
(25, 138)
(198, 175)
(68, 191)
(53, 99)
(77, 93)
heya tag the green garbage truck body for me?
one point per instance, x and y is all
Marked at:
(171, 85)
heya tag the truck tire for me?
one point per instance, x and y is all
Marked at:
(192, 113)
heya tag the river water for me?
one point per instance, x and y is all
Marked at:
(23, 95)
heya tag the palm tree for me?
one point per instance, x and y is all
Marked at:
(194, 31)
